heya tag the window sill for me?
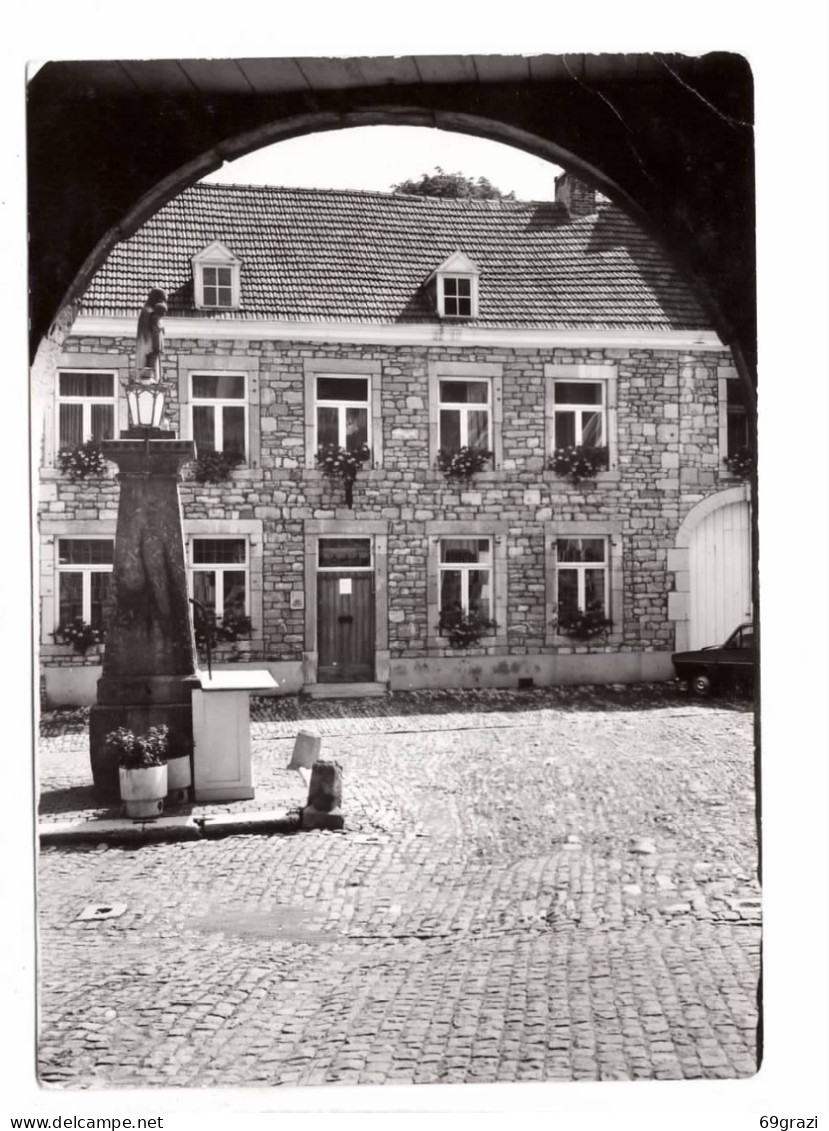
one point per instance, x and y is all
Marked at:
(484, 643)
(729, 478)
(569, 643)
(612, 476)
(55, 475)
(237, 475)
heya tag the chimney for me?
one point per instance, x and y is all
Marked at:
(577, 197)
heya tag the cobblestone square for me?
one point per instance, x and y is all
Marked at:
(529, 887)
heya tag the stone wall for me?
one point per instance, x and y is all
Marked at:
(665, 459)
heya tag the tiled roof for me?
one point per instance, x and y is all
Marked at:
(324, 254)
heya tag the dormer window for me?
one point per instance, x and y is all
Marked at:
(457, 287)
(216, 278)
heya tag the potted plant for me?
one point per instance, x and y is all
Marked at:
(175, 749)
(142, 770)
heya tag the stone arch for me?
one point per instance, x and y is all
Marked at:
(710, 503)
(680, 558)
(322, 122)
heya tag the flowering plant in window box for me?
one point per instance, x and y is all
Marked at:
(464, 463)
(579, 462)
(226, 629)
(86, 461)
(740, 463)
(79, 634)
(465, 630)
(214, 467)
(343, 463)
(583, 624)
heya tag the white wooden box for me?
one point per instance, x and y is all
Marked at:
(222, 769)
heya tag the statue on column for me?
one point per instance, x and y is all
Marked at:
(149, 342)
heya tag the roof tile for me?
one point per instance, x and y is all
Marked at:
(327, 254)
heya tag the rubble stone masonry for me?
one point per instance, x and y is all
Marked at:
(664, 419)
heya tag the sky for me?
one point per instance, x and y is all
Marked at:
(376, 157)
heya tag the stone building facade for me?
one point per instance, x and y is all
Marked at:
(360, 595)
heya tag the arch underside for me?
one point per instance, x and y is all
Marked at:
(668, 138)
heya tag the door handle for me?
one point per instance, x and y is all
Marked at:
(345, 618)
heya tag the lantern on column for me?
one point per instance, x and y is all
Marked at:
(145, 402)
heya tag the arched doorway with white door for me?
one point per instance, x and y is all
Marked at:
(713, 569)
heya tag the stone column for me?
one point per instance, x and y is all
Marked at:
(149, 657)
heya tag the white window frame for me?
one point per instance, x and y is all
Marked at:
(219, 568)
(575, 373)
(466, 407)
(86, 572)
(346, 569)
(465, 568)
(610, 531)
(221, 402)
(216, 255)
(342, 405)
(582, 567)
(85, 402)
(473, 294)
(580, 410)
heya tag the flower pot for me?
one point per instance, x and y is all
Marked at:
(179, 778)
(143, 791)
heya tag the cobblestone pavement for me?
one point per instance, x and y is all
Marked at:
(566, 893)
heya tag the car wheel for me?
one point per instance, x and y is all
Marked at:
(701, 684)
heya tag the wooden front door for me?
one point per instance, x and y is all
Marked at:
(345, 616)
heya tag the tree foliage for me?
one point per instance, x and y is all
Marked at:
(454, 185)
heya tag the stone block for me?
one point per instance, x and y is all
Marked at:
(325, 792)
(306, 750)
(320, 819)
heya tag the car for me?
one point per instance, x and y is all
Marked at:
(718, 664)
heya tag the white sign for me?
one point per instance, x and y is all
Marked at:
(345, 586)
